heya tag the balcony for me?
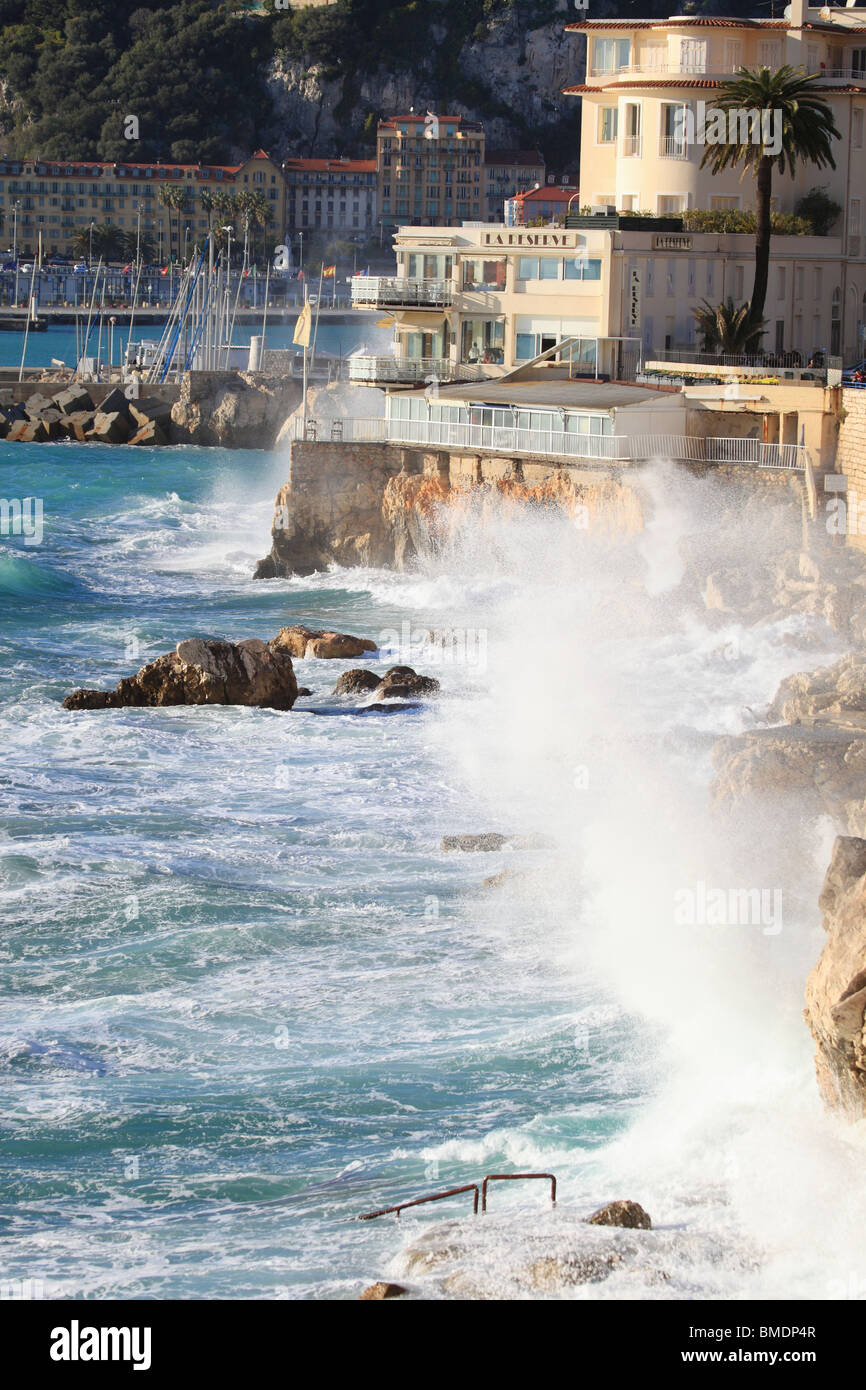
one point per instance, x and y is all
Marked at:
(673, 148)
(614, 450)
(387, 292)
(409, 370)
(650, 70)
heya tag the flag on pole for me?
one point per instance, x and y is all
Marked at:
(301, 335)
(384, 323)
(328, 272)
(164, 270)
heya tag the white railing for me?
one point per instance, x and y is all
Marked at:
(556, 443)
(364, 367)
(672, 148)
(381, 290)
(696, 69)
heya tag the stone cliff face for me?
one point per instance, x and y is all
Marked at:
(509, 74)
(382, 504)
(836, 988)
(238, 410)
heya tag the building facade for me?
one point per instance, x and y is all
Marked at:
(508, 173)
(495, 298)
(430, 169)
(331, 195)
(61, 199)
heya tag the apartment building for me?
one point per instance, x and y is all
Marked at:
(547, 203)
(430, 170)
(508, 173)
(61, 199)
(338, 195)
(637, 155)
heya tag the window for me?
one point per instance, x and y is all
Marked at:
(857, 128)
(483, 340)
(739, 274)
(836, 322)
(711, 278)
(632, 129)
(483, 275)
(781, 281)
(608, 55)
(733, 55)
(669, 204)
(671, 279)
(798, 282)
(581, 268)
(691, 280)
(674, 126)
(720, 203)
(693, 55)
(607, 124)
(858, 64)
(854, 217)
(817, 281)
(768, 53)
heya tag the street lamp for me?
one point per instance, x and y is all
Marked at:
(92, 224)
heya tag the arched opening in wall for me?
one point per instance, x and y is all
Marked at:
(836, 323)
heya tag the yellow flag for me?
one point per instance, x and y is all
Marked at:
(301, 335)
(329, 272)
(384, 323)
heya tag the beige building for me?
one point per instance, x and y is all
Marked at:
(60, 199)
(486, 299)
(648, 82)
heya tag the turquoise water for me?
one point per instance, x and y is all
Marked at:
(58, 341)
(245, 995)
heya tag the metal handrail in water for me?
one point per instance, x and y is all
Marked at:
(514, 1177)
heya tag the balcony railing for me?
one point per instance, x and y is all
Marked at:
(383, 291)
(631, 145)
(696, 69)
(618, 450)
(672, 148)
(364, 367)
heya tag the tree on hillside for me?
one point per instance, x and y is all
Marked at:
(807, 135)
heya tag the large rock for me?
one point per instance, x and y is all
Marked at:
(74, 398)
(239, 410)
(813, 769)
(309, 642)
(115, 403)
(151, 409)
(381, 1290)
(622, 1213)
(35, 405)
(402, 683)
(836, 988)
(109, 429)
(151, 433)
(200, 672)
(27, 432)
(356, 682)
(79, 424)
(828, 691)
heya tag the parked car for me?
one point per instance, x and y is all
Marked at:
(26, 270)
(855, 376)
(80, 268)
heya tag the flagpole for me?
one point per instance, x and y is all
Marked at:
(306, 345)
(318, 308)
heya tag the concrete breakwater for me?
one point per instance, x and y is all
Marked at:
(235, 410)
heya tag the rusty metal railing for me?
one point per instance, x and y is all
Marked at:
(468, 1187)
(419, 1201)
(514, 1177)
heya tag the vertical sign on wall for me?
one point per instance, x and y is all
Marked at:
(634, 286)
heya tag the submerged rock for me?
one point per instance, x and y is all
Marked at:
(836, 988)
(401, 682)
(381, 1290)
(622, 1213)
(356, 682)
(492, 840)
(203, 673)
(308, 642)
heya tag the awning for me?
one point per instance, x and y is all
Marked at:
(429, 321)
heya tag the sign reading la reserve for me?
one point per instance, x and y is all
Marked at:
(539, 239)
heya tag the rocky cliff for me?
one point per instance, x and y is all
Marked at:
(507, 71)
(836, 988)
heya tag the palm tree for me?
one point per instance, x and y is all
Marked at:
(174, 197)
(726, 328)
(807, 133)
(106, 240)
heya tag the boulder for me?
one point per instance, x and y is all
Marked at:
(151, 433)
(109, 429)
(115, 403)
(381, 1290)
(302, 641)
(79, 424)
(34, 405)
(623, 1213)
(27, 432)
(303, 690)
(836, 988)
(356, 682)
(201, 672)
(401, 682)
(830, 690)
(151, 409)
(484, 844)
(73, 399)
(11, 413)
